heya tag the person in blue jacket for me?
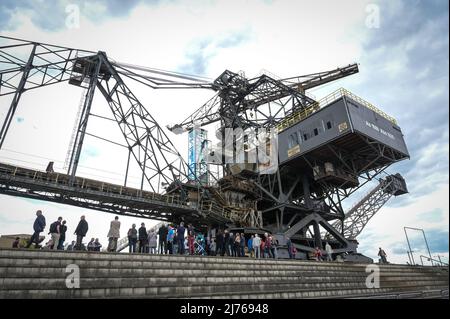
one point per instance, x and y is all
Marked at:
(38, 227)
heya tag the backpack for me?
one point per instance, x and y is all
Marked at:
(53, 228)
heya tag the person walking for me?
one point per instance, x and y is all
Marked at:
(382, 255)
(132, 238)
(62, 235)
(113, 234)
(81, 231)
(38, 227)
(162, 233)
(152, 242)
(180, 238)
(256, 242)
(143, 238)
(329, 252)
(54, 232)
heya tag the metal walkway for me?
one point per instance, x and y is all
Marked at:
(92, 194)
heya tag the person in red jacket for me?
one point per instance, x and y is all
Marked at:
(318, 254)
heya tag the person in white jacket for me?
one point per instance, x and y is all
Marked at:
(257, 246)
(114, 234)
(329, 251)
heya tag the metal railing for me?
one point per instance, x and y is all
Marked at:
(370, 106)
(298, 116)
(432, 260)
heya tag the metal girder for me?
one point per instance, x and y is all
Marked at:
(153, 151)
(359, 215)
(44, 64)
(309, 81)
(237, 97)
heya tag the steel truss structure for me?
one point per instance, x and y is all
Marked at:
(291, 203)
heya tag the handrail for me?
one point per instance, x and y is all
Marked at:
(432, 259)
(298, 116)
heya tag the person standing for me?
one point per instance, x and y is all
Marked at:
(81, 231)
(38, 227)
(273, 246)
(62, 235)
(162, 233)
(382, 255)
(263, 249)
(152, 242)
(267, 246)
(256, 242)
(237, 245)
(250, 246)
(180, 238)
(329, 252)
(242, 245)
(212, 247)
(289, 247)
(54, 232)
(219, 243)
(231, 245)
(170, 236)
(132, 239)
(113, 234)
(191, 239)
(143, 237)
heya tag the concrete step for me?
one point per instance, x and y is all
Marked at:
(263, 291)
(217, 264)
(42, 274)
(59, 283)
(420, 294)
(69, 255)
(89, 270)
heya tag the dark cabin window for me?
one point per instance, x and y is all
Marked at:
(316, 132)
(329, 125)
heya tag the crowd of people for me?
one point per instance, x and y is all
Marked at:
(172, 239)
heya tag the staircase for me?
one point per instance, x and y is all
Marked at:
(42, 274)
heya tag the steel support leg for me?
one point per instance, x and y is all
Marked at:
(17, 95)
(76, 152)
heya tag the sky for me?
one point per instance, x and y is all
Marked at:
(401, 48)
